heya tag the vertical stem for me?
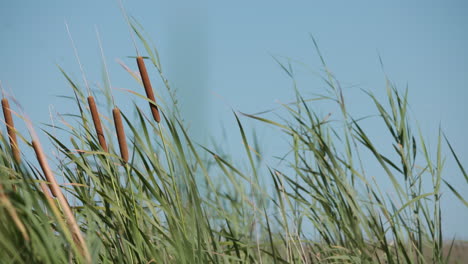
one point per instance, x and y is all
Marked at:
(11, 130)
(55, 189)
(41, 158)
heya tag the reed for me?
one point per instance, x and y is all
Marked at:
(55, 189)
(41, 158)
(5, 202)
(148, 88)
(11, 130)
(178, 201)
(97, 123)
(120, 134)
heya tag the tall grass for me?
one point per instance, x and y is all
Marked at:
(168, 203)
(10, 126)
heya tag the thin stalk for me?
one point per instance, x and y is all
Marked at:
(129, 26)
(142, 68)
(91, 101)
(11, 210)
(105, 65)
(103, 58)
(120, 134)
(78, 60)
(148, 88)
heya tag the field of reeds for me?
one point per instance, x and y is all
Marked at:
(135, 188)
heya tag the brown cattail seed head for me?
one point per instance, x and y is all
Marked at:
(148, 88)
(97, 123)
(11, 130)
(120, 134)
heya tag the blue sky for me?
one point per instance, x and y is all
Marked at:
(218, 54)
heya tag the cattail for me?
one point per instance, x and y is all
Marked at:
(41, 158)
(97, 123)
(11, 129)
(148, 88)
(143, 71)
(55, 189)
(120, 134)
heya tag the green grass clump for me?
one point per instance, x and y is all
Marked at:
(175, 201)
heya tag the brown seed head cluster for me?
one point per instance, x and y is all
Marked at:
(148, 88)
(97, 122)
(120, 134)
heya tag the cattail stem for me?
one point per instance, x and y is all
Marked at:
(97, 123)
(11, 130)
(148, 88)
(55, 189)
(120, 134)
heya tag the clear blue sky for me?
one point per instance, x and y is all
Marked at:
(218, 55)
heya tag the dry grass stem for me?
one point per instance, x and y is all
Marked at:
(41, 158)
(55, 189)
(11, 130)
